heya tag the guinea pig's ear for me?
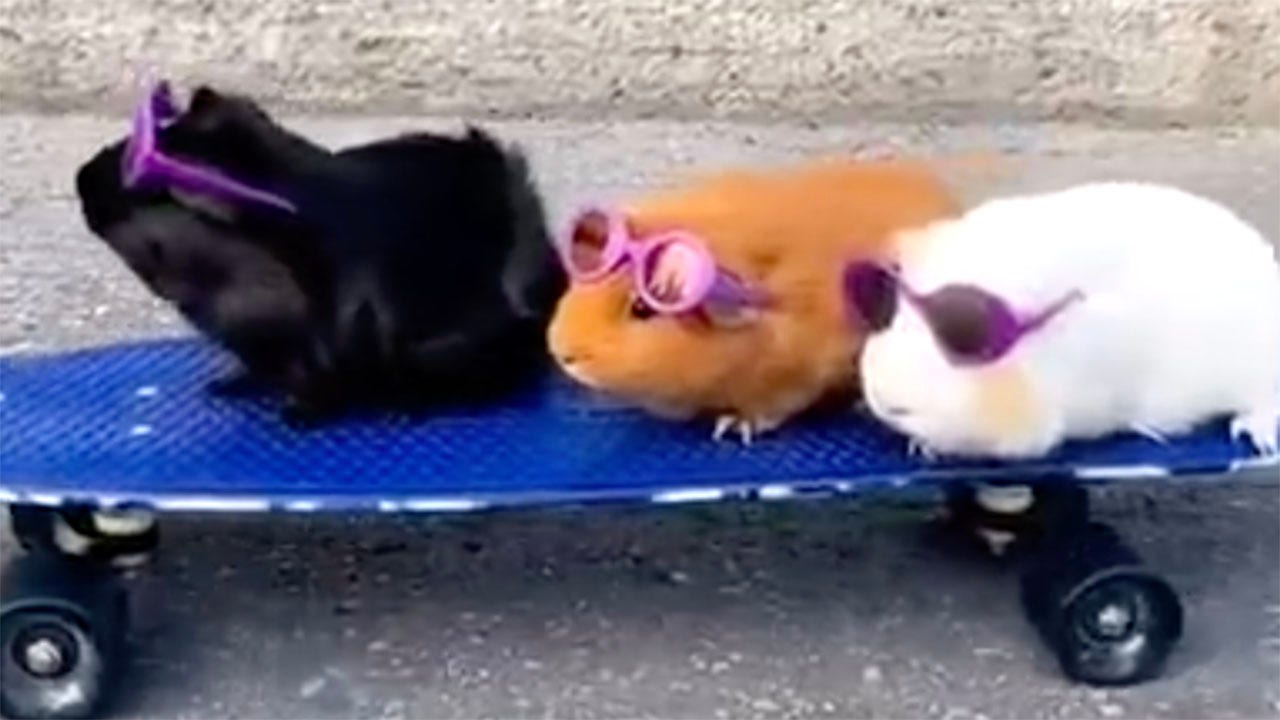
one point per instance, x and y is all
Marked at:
(211, 112)
(203, 99)
(207, 114)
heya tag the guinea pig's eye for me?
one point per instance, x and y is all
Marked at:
(640, 309)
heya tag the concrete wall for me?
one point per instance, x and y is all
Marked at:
(1134, 61)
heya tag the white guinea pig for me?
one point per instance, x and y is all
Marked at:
(1074, 314)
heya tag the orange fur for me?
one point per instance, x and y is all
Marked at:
(788, 230)
(1006, 402)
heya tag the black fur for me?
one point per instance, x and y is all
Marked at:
(418, 270)
(220, 273)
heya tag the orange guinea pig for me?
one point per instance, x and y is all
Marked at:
(723, 297)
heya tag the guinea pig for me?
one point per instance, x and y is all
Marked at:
(780, 235)
(1069, 315)
(424, 258)
(225, 275)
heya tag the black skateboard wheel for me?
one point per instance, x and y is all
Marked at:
(1109, 620)
(62, 627)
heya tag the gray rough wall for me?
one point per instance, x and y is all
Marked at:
(1140, 62)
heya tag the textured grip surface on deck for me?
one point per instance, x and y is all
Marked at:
(135, 423)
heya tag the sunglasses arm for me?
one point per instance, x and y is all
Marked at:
(151, 164)
(198, 179)
(729, 288)
(1040, 319)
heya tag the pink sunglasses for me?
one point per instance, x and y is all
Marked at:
(973, 326)
(144, 164)
(672, 272)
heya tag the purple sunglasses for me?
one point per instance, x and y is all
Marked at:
(973, 326)
(673, 272)
(145, 164)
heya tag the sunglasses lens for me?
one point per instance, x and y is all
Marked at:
(671, 275)
(873, 293)
(967, 322)
(589, 244)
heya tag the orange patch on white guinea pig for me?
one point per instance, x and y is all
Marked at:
(1007, 407)
(913, 243)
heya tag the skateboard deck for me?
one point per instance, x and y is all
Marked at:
(134, 424)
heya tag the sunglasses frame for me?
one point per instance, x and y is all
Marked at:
(144, 164)
(708, 282)
(1007, 326)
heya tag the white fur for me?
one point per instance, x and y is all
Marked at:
(1180, 321)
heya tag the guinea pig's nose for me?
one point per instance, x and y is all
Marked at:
(573, 359)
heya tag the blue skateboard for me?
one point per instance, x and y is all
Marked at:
(94, 443)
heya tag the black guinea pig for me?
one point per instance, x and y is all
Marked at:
(423, 261)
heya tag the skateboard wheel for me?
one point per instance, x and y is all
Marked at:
(120, 537)
(1004, 499)
(62, 626)
(1109, 620)
(128, 522)
(1001, 515)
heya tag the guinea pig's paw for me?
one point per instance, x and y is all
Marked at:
(237, 385)
(746, 428)
(727, 423)
(1150, 433)
(1259, 428)
(918, 448)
